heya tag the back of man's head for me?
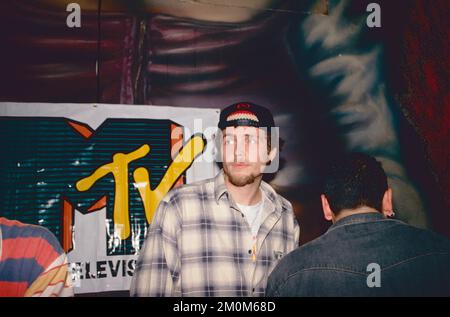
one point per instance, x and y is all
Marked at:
(353, 181)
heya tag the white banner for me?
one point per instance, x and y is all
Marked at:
(118, 151)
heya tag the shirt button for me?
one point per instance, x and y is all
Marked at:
(253, 290)
(243, 216)
(249, 251)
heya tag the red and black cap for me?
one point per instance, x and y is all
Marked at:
(246, 114)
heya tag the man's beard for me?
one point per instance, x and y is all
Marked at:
(240, 181)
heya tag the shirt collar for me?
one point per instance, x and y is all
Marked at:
(358, 218)
(219, 186)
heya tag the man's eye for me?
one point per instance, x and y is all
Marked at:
(229, 141)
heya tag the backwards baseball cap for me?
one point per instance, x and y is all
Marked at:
(246, 114)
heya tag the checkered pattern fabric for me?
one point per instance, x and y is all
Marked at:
(200, 244)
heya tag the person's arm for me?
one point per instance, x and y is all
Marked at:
(158, 266)
(295, 230)
(272, 287)
(55, 279)
(273, 279)
(296, 233)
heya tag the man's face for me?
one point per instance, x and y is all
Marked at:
(244, 154)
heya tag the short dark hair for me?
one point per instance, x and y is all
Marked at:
(355, 180)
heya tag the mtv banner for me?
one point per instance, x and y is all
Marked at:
(94, 175)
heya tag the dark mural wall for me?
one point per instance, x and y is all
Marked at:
(333, 83)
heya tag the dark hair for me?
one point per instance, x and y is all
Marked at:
(355, 180)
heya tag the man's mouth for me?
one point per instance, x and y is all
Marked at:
(240, 165)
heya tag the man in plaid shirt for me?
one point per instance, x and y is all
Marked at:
(222, 236)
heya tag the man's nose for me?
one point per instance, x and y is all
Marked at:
(240, 151)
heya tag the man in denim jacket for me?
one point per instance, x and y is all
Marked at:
(364, 253)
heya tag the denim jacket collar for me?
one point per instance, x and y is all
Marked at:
(358, 218)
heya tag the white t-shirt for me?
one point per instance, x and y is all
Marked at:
(253, 215)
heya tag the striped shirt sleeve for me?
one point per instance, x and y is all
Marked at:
(32, 262)
(55, 281)
(158, 265)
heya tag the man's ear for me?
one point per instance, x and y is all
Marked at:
(327, 212)
(386, 205)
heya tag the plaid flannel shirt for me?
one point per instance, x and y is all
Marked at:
(199, 244)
